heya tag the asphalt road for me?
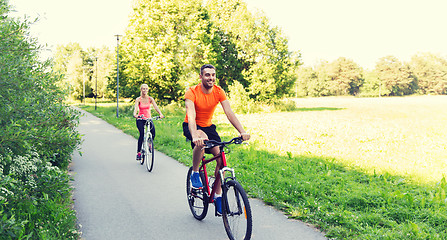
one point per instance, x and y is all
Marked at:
(117, 198)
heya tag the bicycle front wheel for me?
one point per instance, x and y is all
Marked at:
(197, 198)
(150, 154)
(236, 211)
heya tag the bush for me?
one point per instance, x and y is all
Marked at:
(35, 200)
(38, 135)
(240, 99)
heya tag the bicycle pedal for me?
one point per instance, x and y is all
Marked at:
(196, 190)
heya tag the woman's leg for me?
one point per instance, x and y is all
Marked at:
(140, 126)
(153, 130)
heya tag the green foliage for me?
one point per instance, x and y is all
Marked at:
(396, 77)
(372, 87)
(340, 77)
(240, 99)
(425, 74)
(84, 70)
(35, 201)
(345, 77)
(431, 73)
(166, 43)
(32, 114)
(37, 133)
(263, 57)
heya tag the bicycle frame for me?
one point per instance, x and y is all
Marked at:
(210, 189)
(147, 130)
(147, 125)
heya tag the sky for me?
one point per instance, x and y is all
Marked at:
(361, 30)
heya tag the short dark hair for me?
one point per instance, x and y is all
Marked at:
(206, 66)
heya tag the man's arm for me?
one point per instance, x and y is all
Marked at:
(234, 120)
(192, 125)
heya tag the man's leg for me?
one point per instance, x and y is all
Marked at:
(197, 155)
(217, 186)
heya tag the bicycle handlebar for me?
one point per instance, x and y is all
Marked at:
(141, 117)
(214, 143)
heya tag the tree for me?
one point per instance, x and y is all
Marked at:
(345, 77)
(397, 78)
(372, 86)
(169, 40)
(431, 73)
(78, 69)
(69, 61)
(100, 64)
(305, 75)
(167, 43)
(262, 51)
(319, 86)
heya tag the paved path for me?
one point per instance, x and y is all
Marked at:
(116, 198)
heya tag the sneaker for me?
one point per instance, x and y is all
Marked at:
(139, 157)
(218, 204)
(195, 180)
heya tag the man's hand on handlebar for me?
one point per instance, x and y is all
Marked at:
(199, 142)
(245, 136)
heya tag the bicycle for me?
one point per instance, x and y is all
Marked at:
(147, 151)
(236, 210)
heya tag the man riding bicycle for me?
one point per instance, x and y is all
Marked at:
(200, 102)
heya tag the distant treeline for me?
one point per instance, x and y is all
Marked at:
(166, 42)
(426, 73)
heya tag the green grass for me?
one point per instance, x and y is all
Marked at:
(354, 168)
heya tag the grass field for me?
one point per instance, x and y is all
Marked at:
(356, 168)
(402, 136)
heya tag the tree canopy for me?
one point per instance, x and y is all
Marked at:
(166, 42)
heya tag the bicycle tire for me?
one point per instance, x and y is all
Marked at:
(150, 155)
(197, 198)
(236, 211)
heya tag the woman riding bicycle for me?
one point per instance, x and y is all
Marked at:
(142, 112)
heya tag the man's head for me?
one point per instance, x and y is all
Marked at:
(208, 75)
(206, 66)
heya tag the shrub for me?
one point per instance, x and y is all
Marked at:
(38, 135)
(35, 200)
(240, 99)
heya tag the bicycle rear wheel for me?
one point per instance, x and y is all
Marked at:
(236, 211)
(150, 154)
(197, 198)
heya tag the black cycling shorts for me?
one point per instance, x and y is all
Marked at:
(209, 131)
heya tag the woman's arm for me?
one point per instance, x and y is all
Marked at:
(136, 110)
(156, 107)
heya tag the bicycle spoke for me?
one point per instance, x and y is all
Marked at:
(197, 199)
(237, 212)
